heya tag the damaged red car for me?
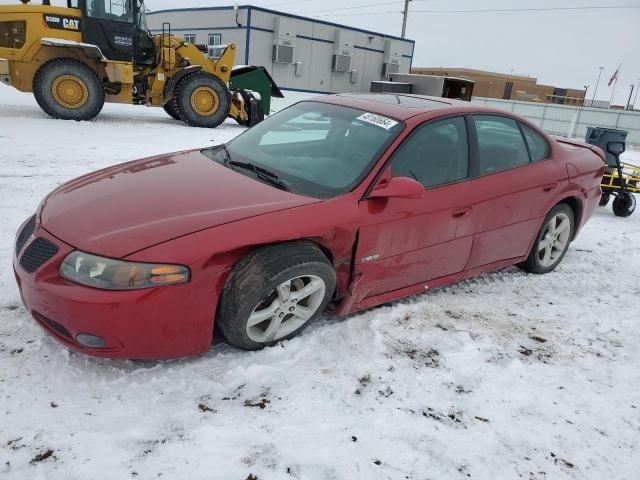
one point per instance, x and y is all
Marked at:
(346, 201)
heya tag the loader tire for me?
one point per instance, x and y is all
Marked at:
(170, 108)
(202, 100)
(69, 90)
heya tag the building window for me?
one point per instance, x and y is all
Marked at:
(190, 37)
(215, 39)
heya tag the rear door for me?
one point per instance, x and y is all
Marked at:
(516, 181)
(406, 241)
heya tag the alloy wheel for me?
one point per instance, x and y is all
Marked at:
(555, 239)
(285, 309)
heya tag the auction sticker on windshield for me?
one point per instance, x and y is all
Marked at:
(378, 120)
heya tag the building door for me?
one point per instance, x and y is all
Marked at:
(508, 87)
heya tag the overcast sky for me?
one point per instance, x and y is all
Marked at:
(562, 48)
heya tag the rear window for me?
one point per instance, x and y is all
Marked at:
(12, 34)
(538, 146)
(500, 144)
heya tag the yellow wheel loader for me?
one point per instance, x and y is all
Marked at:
(76, 58)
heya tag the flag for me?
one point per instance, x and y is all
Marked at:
(613, 77)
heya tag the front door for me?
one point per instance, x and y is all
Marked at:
(407, 241)
(110, 25)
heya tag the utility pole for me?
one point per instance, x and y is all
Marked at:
(405, 13)
(633, 105)
(597, 82)
(628, 107)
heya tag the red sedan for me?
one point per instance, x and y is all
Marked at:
(347, 200)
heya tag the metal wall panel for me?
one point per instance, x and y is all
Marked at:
(565, 120)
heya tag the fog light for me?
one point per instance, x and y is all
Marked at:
(90, 341)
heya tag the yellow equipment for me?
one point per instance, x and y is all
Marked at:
(76, 58)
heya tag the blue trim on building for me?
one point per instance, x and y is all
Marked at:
(260, 29)
(275, 12)
(247, 38)
(368, 49)
(196, 29)
(314, 39)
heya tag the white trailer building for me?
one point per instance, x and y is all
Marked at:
(301, 54)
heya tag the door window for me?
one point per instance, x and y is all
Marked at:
(435, 154)
(500, 144)
(117, 10)
(538, 146)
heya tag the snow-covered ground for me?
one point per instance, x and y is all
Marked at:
(501, 377)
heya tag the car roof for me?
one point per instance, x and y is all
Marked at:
(400, 106)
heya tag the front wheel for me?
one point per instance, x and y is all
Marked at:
(202, 100)
(624, 204)
(274, 293)
(552, 241)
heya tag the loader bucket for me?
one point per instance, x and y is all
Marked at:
(258, 80)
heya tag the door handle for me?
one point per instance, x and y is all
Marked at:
(461, 213)
(548, 188)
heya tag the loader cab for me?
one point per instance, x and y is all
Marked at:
(118, 28)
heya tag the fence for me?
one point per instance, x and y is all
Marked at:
(570, 121)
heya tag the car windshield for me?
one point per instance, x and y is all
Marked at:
(314, 149)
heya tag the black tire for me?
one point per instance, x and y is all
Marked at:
(624, 204)
(170, 108)
(79, 74)
(183, 95)
(533, 262)
(256, 277)
(604, 199)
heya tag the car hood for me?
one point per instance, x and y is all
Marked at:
(126, 208)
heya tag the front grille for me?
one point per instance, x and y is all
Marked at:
(25, 233)
(37, 253)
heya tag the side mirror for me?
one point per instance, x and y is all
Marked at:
(616, 148)
(402, 187)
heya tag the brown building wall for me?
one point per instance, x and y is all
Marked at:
(496, 85)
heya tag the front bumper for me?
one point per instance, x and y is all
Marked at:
(156, 323)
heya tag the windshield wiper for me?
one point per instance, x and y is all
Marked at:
(262, 173)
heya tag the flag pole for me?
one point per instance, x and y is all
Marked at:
(615, 83)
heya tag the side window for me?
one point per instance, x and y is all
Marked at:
(12, 34)
(435, 154)
(190, 37)
(500, 144)
(538, 146)
(117, 10)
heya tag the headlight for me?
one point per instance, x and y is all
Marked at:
(110, 274)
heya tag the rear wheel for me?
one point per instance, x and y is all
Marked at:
(68, 89)
(202, 100)
(624, 204)
(274, 293)
(552, 241)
